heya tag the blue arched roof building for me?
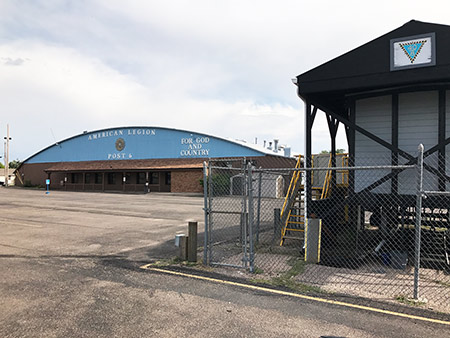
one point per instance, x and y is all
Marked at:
(134, 159)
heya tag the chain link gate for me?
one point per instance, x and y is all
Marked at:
(243, 212)
(228, 214)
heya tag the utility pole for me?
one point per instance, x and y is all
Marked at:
(4, 160)
(7, 138)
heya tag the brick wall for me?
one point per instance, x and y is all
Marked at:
(187, 181)
(34, 173)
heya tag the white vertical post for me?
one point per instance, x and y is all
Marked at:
(7, 156)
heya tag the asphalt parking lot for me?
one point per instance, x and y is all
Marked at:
(70, 268)
(63, 223)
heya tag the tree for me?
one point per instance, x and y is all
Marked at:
(14, 164)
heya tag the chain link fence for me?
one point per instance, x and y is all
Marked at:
(381, 232)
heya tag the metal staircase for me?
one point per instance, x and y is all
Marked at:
(292, 213)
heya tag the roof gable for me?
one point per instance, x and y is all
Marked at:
(369, 65)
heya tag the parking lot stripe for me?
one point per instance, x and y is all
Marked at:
(292, 294)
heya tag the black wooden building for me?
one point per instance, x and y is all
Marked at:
(390, 94)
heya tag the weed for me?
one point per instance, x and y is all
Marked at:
(179, 262)
(287, 279)
(441, 283)
(297, 267)
(258, 271)
(408, 301)
(288, 283)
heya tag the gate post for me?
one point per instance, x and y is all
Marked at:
(210, 222)
(258, 221)
(418, 224)
(206, 212)
(250, 216)
(244, 216)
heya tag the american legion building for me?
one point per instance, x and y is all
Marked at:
(139, 159)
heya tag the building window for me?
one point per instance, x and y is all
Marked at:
(140, 178)
(87, 178)
(168, 178)
(154, 178)
(127, 178)
(75, 178)
(98, 178)
(111, 178)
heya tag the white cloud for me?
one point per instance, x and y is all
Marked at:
(13, 62)
(59, 90)
(222, 68)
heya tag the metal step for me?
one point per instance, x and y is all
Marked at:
(293, 229)
(293, 237)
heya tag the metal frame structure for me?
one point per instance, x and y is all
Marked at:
(347, 118)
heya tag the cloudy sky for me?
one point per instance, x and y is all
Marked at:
(219, 67)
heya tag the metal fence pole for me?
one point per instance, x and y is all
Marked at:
(245, 217)
(206, 211)
(418, 219)
(258, 221)
(250, 216)
(210, 223)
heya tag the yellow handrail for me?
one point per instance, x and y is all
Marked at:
(294, 180)
(326, 182)
(344, 177)
(345, 172)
